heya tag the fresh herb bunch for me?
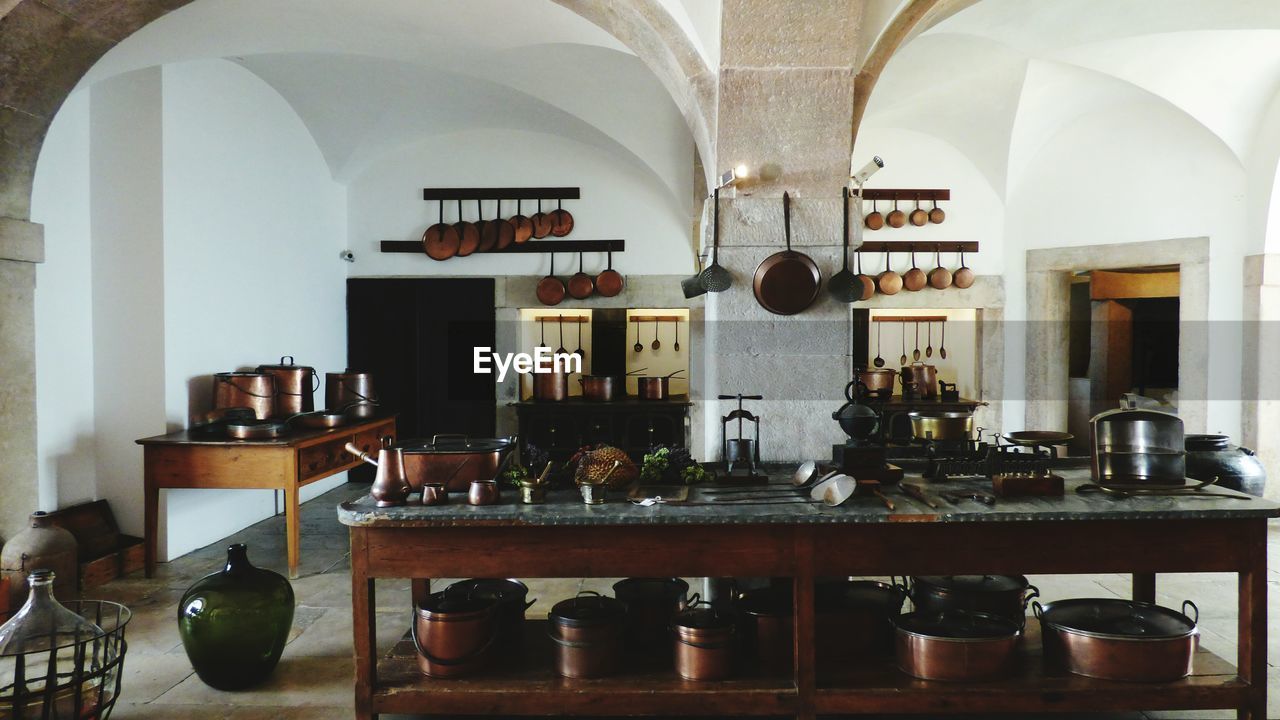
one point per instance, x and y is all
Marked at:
(517, 474)
(671, 465)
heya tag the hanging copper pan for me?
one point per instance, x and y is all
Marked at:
(498, 233)
(487, 242)
(541, 223)
(888, 282)
(787, 282)
(561, 221)
(468, 234)
(550, 288)
(609, 282)
(581, 285)
(440, 241)
(522, 224)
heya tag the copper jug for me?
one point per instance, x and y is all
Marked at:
(295, 386)
(390, 485)
(253, 390)
(352, 390)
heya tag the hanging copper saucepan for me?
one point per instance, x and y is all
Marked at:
(498, 233)
(939, 277)
(440, 241)
(915, 279)
(609, 282)
(866, 283)
(469, 235)
(551, 289)
(875, 220)
(918, 216)
(937, 214)
(964, 277)
(787, 282)
(897, 218)
(541, 223)
(487, 242)
(888, 282)
(581, 286)
(561, 220)
(522, 224)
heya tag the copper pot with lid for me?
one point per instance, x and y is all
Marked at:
(587, 632)
(705, 636)
(452, 633)
(352, 390)
(255, 390)
(1115, 639)
(920, 379)
(955, 645)
(295, 386)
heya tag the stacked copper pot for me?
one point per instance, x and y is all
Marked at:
(587, 632)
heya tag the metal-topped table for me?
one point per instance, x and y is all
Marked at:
(565, 538)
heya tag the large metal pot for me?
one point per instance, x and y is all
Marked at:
(454, 460)
(876, 380)
(452, 634)
(253, 390)
(768, 625)
(651, 604)
(941, 425)
(649, 387)
(704, 647)
(601, 388)
(921, 378)
(587, 632)
(295, 386)
(550, 385)
(1003, 595)
(855, 618)
(955, 645)
(509, 598)
(1116, 639)
(352, 390)
(1137, 447)
(1213, 456)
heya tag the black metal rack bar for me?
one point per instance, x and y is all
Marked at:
(533, 246)
(508, 193)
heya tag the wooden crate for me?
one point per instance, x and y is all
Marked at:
(105, 552)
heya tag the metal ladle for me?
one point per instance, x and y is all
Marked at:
(915, 354)
(879, 361)
(560, 323)
(942, 351)
(903, 360)
(582, 354)
(656, 343)
(928, 350)
(676, 347)
(638, 347)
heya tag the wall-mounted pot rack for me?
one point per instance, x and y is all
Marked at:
(933, 194)
(562, 318)
(533, 246)
(906, 246)
(507, 193)
(655, 318)
(909, 318)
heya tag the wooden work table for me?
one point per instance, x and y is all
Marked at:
(203, 459)
(564, 538)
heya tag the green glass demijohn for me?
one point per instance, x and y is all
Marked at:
(234, 623)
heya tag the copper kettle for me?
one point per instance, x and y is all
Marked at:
(391, 484)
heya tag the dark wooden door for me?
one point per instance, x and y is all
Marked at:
(417, 336)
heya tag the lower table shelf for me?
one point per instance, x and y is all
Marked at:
(522, 681)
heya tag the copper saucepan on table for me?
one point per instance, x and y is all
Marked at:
(655, 387)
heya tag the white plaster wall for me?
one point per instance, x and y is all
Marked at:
(127, 297)
(619, 200)
(253, 225)
(64, 316)
(1131, 173)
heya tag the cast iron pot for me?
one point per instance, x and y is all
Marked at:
(454, 460)
(587, 632)
(452, 634)
(508, 597)
(955, 645)
(1210, 456)
(1003, 595)
(651, 604)
(855, 618)
(601, 388)
(1116, 639)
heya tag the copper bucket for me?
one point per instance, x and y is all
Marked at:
(253, 390)
(352, 390)
(295, 386)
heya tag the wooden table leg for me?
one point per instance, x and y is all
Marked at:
(364, 626)
(804, 634)
(419, 589)
(151, 520)
(293, 536)
(1144, 587)
(1252, 629)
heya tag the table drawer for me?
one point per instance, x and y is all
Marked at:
(368, 440)
(323, 458)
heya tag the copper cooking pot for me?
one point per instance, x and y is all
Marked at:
(352, 390)
(601, 388)
(923, 378)
(767, 625)
(1114, 639)
(876, 379)
(295, 386)
(855, 618)
(651, 604)
(254, 390)
(955, 645)
(453, 633)
(704, 648)
(454, 461)
(941, 425)
(587, 632)
(655, 388)
(550, 385)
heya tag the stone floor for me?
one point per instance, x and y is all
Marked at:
(314, 678)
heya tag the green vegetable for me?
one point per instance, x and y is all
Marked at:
(655, 464)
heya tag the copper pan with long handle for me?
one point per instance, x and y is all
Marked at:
(788, 281)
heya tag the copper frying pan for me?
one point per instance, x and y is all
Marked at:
(498, 233)
(561, 220)
(440, 241)
(609, 282)
(551, 289)
(468, 235)
(522, 224)
(787, 282)
(541, 223)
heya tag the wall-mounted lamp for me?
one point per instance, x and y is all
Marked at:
(743, 175)
(860, 177)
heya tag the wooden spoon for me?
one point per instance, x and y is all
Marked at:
(928, 350)
(879, 361)
(915, 354)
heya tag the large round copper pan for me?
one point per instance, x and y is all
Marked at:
(787, 282)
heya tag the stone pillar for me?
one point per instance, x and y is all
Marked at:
(21, 246)
(785, 99)
(1261, 382)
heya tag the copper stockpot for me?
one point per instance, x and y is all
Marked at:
(601, 388)
(352, 390)
(452, 634)
(955, 645)
(510, 598)
(704, 648)
(654, 388)
(923, 378)
(254, 390)
(587, 632)
(1004, 595)
(550, 385)
(877, 379)
(1114, 639)
(295, 386)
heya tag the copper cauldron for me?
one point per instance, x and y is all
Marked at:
(253, 390)
(921, 378)
(295, 386)
(352, 390)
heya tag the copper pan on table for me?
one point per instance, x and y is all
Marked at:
(787, 282)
